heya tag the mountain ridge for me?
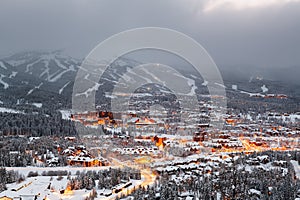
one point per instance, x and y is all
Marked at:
(35, 74)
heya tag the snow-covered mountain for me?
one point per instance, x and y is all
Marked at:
(48, 76)
(50, 71)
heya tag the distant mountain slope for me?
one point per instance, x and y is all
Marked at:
(50, 71)
(278, 80)
(49, 77)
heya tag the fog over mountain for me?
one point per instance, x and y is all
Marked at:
(48, 76)
(236, 33)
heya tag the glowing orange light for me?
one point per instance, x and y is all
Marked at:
(68, 191)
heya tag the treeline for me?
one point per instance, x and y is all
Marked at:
(49, 173)
(243, 103)
(7, 177)
(106, 178)
(35, 125)
(19, 151)
(18, 159)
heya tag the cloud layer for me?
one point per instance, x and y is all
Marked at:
(212, 5)
(235, 32)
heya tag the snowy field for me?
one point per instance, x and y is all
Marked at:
(73, 170)
(46, 187)
(9, 110)
(65, 114)
(296, 167)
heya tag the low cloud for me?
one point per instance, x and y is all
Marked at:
(212, 5)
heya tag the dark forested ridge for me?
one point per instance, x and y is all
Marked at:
(35, 125)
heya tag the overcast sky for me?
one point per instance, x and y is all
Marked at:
(263, 33)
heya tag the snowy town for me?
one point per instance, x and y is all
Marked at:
(150, 100)
(144, 154)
